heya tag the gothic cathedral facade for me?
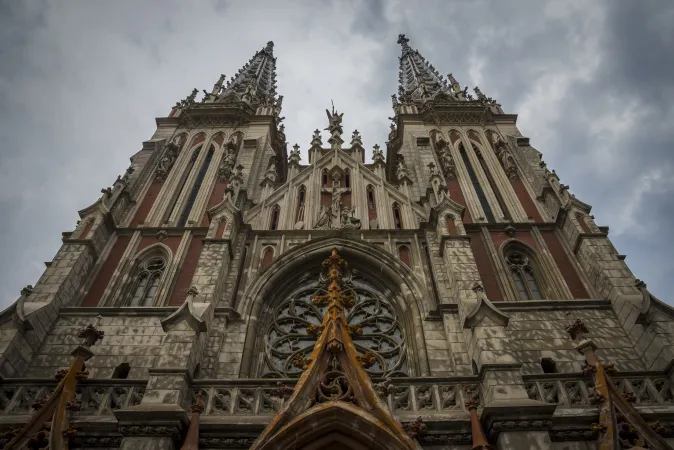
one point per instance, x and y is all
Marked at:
(469, 263)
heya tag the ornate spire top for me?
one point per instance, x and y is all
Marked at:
(335, 128)
(418, 80)
(356, 138)
(255, 82)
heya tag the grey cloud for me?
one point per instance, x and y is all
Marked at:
(81, 83)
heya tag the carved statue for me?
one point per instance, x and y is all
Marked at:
(347, 219)
(401, 167)
(230, 158)
(423, 93)
(324, 221)
(335, 121)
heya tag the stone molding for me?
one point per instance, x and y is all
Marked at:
(187, 313)
(500, 426)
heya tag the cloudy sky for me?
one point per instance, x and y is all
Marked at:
(81, 83)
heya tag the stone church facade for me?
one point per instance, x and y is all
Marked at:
(469, 263)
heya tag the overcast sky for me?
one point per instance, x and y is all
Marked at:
(82, 82)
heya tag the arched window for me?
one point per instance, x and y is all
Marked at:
(523, 275)
(397, 218)
(404, 254)
(182, 184)
(267, 257)
(492, 183)
(285, 335)
(476, 185)
(195, 189)
(301, 199)
(275, 214)
(146, 281)
(370, 197)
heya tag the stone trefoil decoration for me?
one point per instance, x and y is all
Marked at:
(333, 380)
(335, 128)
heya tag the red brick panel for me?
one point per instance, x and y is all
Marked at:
(568, 271)
(526, 200)
(87, 228)
(581, 221)
(346, 200)
(404, 254)
(456, 194)
(451, 227)
(326, 199)
(146, 204)
(221, 228)
(267, 258)
(186, 272)
(105, 274)
(484, 267)
(216, 197)
(498, 237)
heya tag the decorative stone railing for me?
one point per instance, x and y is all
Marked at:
(574, 390)
(405, 395)
(98, 397)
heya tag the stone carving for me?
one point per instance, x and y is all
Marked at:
(504, 156)
(517, 425)
(324, 218)
(447, 164)
(347, 219)
(27, 290)
(171, 151)
(382, 334)
(335, 128)
(401, 168)
(377, 154)
(223, 442)
(415, 429)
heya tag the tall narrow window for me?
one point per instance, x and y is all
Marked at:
(451, 226)
(267, 257)
(397, 219)
(275, 213)
(301, 198)
(404, 254)
(347, 179)
(324, 178)
(476, 185)
(146, 281)
(183, 179)
(523, 275)
(195, 189)
(492, 183)
(370, 197)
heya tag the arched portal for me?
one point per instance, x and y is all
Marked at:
(387, 286)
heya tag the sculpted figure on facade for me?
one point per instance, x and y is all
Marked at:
(324, 221)
(347, 219)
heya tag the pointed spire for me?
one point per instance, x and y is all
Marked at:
(255, 82)
(418, 80)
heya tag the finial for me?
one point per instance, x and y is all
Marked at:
(402, 40)
(296, 147)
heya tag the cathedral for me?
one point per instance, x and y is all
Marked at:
(443, 291)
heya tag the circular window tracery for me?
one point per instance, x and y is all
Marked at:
(287, 337)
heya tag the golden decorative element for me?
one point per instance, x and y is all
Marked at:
(334, 388)
(314, 330)
(657, 427)
(479, 439)
(301, 362)
(355, 330)
(367, 360)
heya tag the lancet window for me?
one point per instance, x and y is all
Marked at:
(275, 214)
(476, 185)
(397, 218)
(286, 335)
(523, 275)
(195, 189)
(146, 281)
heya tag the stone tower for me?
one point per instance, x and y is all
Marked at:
(480, 297)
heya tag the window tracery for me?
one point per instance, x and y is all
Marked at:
(522, 272)
(146, 281)
(286, 336)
